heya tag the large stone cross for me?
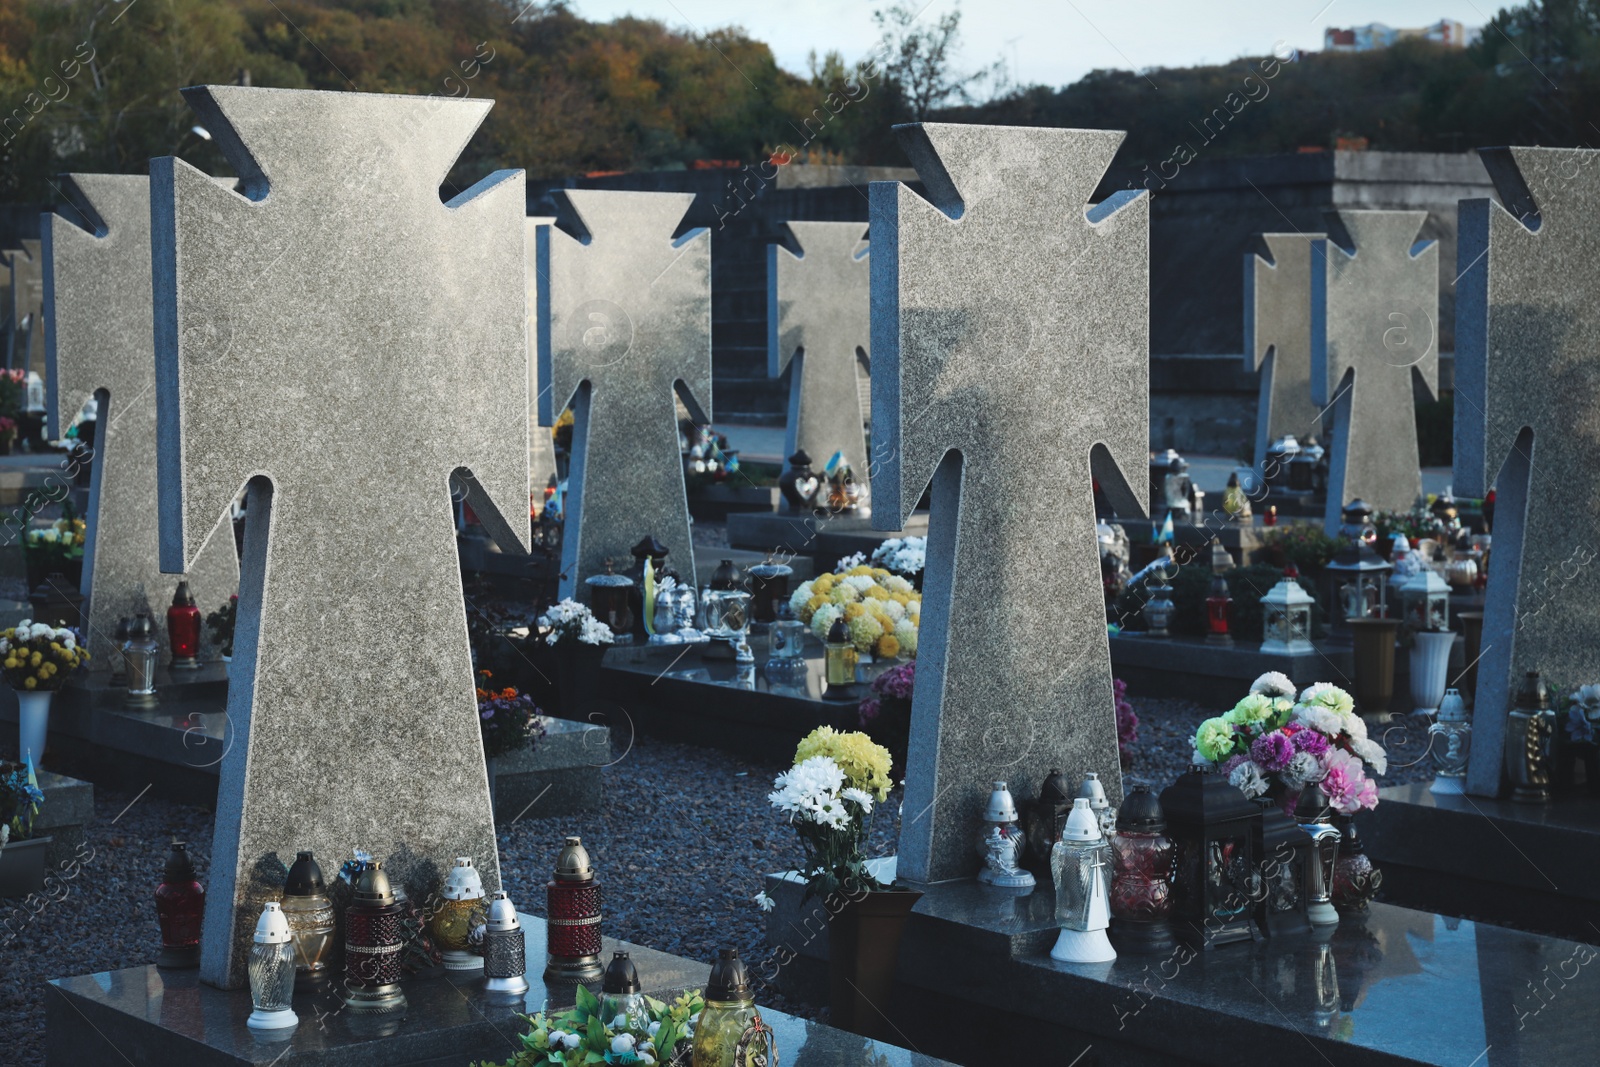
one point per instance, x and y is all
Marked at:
(1527, 420)
(818, 314)
(1374, 317)
(1277, 338)
(342, 342)
(98, 307)
(624, 320)
(1010, 343)
(24, 350)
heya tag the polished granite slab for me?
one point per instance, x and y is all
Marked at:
(1396, 986)
(823, 537)
(144, 1015)
(1192, 669)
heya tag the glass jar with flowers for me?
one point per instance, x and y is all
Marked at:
(35, 660)
(56, 547)
(581, 640)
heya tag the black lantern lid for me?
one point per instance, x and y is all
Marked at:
(727, 576)
(1313, 805)
(799, 459)
(649, 547)
(372, 886)
(1141, 813)
(1358, 557)
(621, 975)
(839, 632)
(1357, 510)
(124, 628)
(305, 877)
(1204, 797)
(729, 980)
(1056, 791)
(609, 578)
(183, 598)
(572, 864)
(1533, 696)
(140, 627)
(180, 867)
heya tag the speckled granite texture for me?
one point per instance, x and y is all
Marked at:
(818, 314)
(1010, 329)
(98, 307)
(341, 341)
(1374, 316)
(541, 446)
(24, 345)
(1277, 338)
(1527, 419)
(624, 319)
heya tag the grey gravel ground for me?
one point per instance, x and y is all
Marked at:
(681, 844)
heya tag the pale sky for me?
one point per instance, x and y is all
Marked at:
(1054, 42)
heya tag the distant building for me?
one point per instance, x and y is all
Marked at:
(1376, 35)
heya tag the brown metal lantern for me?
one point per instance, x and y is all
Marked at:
(1216, 881)
(609, 597)
(769, 586)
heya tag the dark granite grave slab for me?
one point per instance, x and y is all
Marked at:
(823, 537)
(68, 807)
(143, 1015)
(1534, 865)
(714, 503)
(559, 777)
(1190, 668)
(674, 691)
(1395, 987)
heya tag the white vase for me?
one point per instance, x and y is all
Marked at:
(33, 720)
(1430, 669)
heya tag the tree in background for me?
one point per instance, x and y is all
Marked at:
(919, 59)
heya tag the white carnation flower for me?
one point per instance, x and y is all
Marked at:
(1247, 778)
(1273, 684)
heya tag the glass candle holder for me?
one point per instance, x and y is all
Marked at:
(572, 901)
(139, 654)
(271, 971)
(309, 912)
(183, 629)
(180, 906)
(505, 954)
(374, 940)
(462, 911)
(729, 1011)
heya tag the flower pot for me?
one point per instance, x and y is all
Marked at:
(22, 866)
(1374, 652)
(863, 946)
(33, 721)
(578, 678)
(1430, 668)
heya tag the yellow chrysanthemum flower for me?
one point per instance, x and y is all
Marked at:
(30, 683)
(864, 762)
(888, 646)
(854, 611)
(876, 592)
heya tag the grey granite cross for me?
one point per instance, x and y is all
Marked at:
(24, 347)
(1374, 322)
(1010, 339)
(624, 320)
(1277, 338)
(98, 307)
(1527, 405)
(342, 342)
(818, 314)
(541, 447)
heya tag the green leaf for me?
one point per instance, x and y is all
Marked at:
(597, 1033)
(655, 1006)
(588, 1003)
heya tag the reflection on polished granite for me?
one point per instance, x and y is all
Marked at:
(1395, 986)
(144, 1015)
(688, 663)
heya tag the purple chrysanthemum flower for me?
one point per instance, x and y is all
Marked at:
(1272, 751)
(1310, 741)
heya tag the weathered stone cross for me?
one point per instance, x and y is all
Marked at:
(1527, 415)
(343, 342)
(624, 320)
(1277, 338)
(1374, 317)
(97, 305)
(1010, 340)
(818, 314)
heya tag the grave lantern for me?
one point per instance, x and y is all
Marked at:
(1315, 817)
(1095, 793)
(1219, 602)
(1081, 864)
(769, 587)
(461, 912)
(183, 629)
(799, 483)
(1281, 455)
(1215, 881)
(1358, 586)
(271, 969)
(1170, 485)
(1303, 468)
(1425, 601)
(180, 906)
(309, 912)
(729, 1013)
(610, 596)
(1045, 818)
(374, 941)
(572, 902)
(1158, 608)
(1356, 522)
(1141, 876)
(505, 955)
(1530, 732)
(1000, 842)
(624, 994)
(1286, 618)
(1285, 854)
(139, 653)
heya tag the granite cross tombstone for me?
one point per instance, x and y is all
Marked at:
(98, 306)
(1277, 338)
(338, 291)
(818, 314)
(23, 348)
(624, 320)
(541, 448)
(1010, 338)
(1527, 409)
(1374, 317)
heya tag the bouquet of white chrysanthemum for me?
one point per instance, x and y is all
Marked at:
(572, 621)
(36, 657)
(828, 795)
(902, 555)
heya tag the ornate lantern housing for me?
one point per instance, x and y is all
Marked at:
(1215, 882)
(1358, 587)
(1141, 876)
(1285, 853)
(1425, 600)
(1286, 618)
(572, 900)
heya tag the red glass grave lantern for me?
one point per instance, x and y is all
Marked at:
(1219, 602)
(572, 900)
(374, 943)
(180, 906)
(183, 629)
(1141, 876)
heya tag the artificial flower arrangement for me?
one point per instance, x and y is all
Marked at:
(508, 718)
(20, 797)
(828, 794)
(905, 556)
(593, 1033)
(571, 621)
(886, 714)
(881, 609)
(221, 623)
(1271, 739)
(60, 542)
(1583, 712)
(38, 658)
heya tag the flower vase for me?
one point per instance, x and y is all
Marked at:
(1374, 656)
(578, 678)
(1430, 669)
(863, 947)
(33, 719)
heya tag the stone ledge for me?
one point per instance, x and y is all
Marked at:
(825, 538)
(1190, 668)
